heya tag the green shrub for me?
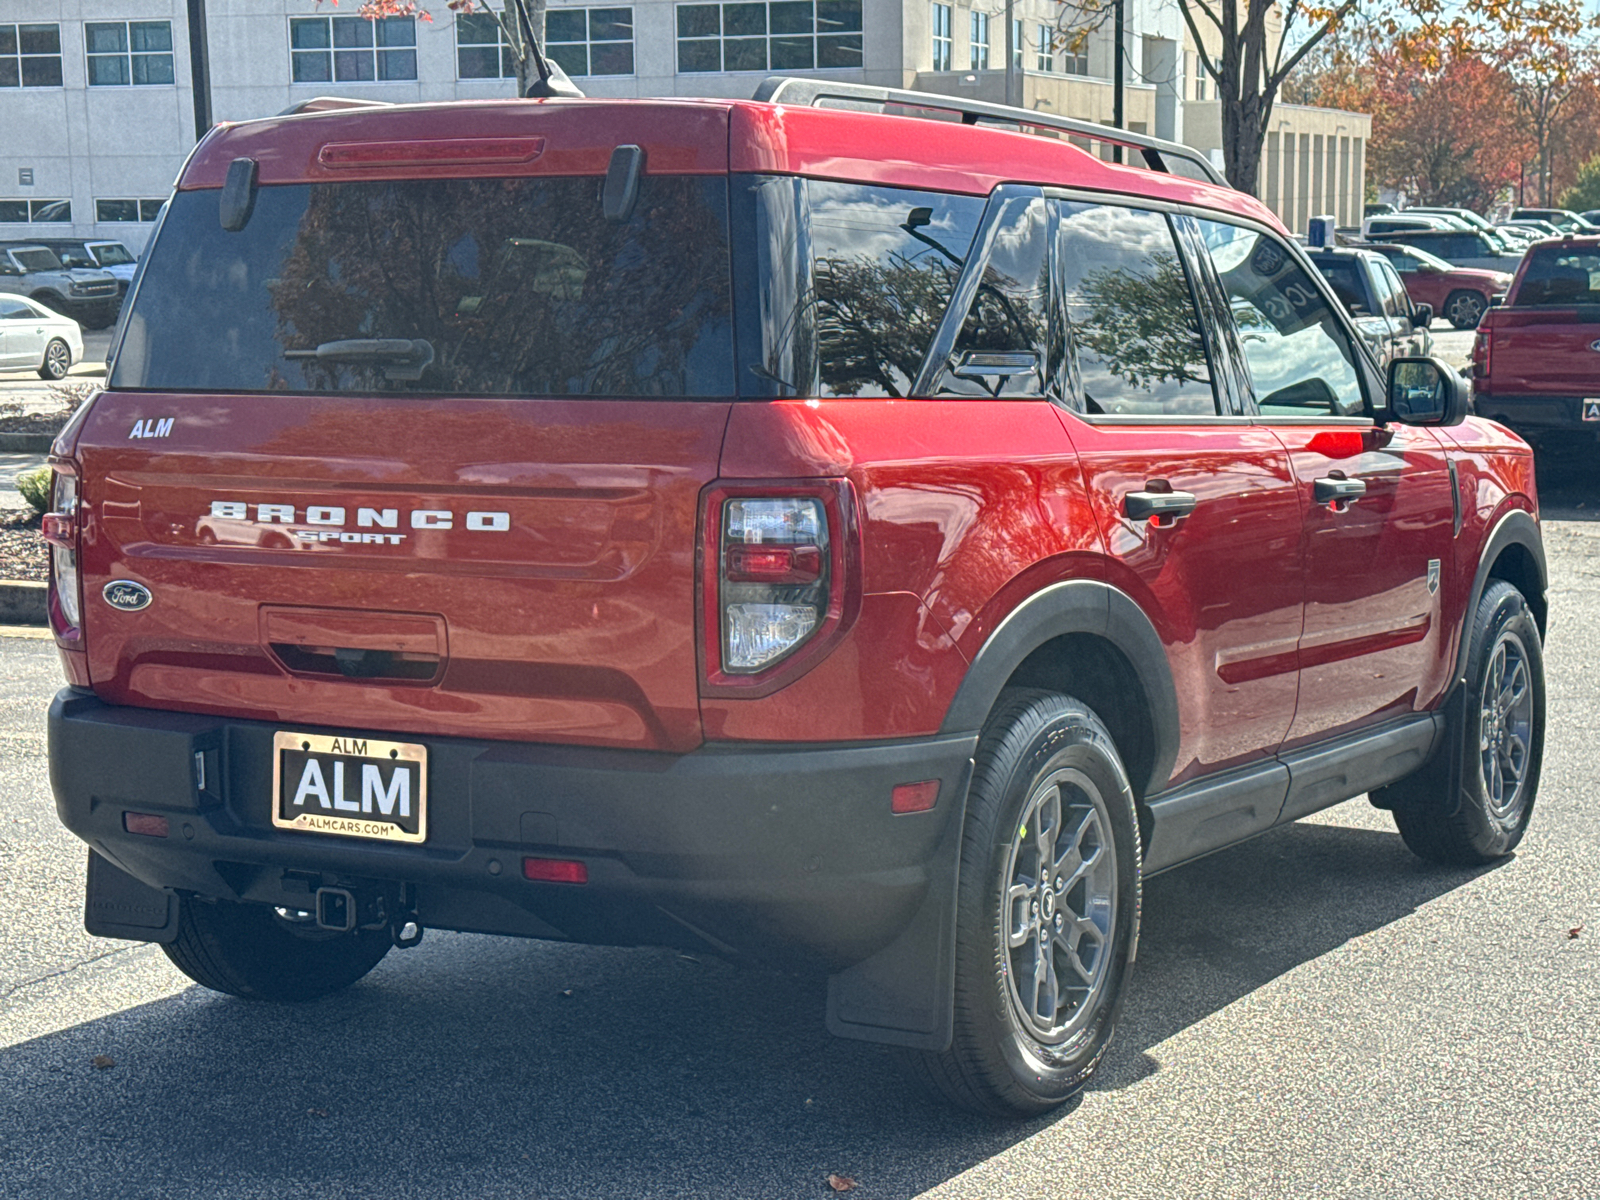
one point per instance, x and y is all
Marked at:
(35, 488)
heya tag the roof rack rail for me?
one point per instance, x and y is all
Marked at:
(827, 93)
(330, 103)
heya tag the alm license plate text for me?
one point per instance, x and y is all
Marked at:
(350, 786)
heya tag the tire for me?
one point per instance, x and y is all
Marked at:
(55, 303)
(1464, 309)
(248, 950)
(57, 360)
(100, 317)
(1478, 808)
(1022, 1045)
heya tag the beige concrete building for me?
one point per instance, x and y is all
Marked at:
(97, 102)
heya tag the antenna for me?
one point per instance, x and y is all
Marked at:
(552, 79)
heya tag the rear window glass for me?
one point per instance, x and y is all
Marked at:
(460, 287)
(1560, 275)
(1341, 276)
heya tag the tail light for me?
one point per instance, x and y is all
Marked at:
(1482, 351)
(778, 580)
(60, 529)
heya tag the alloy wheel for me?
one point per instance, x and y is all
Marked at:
(1059, 906)
(1505, 724)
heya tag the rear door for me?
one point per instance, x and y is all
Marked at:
(421, 454)
(22, 334)
(1198, 508)
(1376, 502)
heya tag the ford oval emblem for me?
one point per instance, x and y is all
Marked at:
(126, 595)
(1594, 345)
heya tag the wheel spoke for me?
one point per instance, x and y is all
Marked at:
(1046, 988)
(1047, 817)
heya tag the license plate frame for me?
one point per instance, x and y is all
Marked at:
(328, 811)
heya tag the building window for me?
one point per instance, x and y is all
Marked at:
(18, 212)
(124, 53)
(1047, 58)
(109, 211)
(943, 44)
(782, 35)
(1075, 57)
(590, 41)
(482, 51)
(352, 49)
(30, 56)
(1199, 79)
(980, 41)
(1016, 44)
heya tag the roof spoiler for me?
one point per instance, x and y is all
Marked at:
(330, 103)
(1171, 158)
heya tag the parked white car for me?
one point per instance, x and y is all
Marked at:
(32, 337)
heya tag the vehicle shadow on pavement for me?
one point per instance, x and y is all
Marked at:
(1218, 929)
(477, 1066)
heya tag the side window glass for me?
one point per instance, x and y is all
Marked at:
(1405, 264)
(1002, 347)
(1387, 301)
(884, 267)
(1300, 356)
(1134, 340)
(1402, 300)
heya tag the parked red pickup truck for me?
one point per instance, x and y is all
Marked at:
(1536, 361)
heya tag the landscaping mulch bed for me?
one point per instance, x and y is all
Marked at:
(50, 423)
(22, 550)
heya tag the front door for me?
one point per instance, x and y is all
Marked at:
(1377, 526)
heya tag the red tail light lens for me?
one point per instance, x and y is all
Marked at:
(60, 529)
(1482, 350)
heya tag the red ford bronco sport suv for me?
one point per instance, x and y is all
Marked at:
(833, 538)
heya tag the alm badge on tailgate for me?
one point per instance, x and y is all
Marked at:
(350, 786)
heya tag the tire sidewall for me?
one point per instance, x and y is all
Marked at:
(1502, 609)
(45, 368)
(1057, 735)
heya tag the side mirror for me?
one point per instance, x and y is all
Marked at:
(1425, 391)
(8, 268)
(1422, 315)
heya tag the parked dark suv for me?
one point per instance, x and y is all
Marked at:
(820, 537)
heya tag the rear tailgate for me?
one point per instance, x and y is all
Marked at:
(1542, 342)
(419, 448)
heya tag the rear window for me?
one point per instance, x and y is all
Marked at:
(1341, 276)
(458, 287)
(1560, 276)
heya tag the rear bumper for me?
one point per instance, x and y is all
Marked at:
(782, 853)
(1537, 413)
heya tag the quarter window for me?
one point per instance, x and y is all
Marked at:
(1300, 358)
(482, 51)
(352, 49)
(1133, 330)
(590, 41)
(782, 35)
(30, 56)
(943, 44)
(128, 53)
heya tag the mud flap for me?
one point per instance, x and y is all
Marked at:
(1440, 778)
(904, 995)
(119, 906)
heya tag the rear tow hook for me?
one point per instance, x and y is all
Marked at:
(406, 930)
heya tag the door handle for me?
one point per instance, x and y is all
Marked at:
(1332, 490)
(1163, 506)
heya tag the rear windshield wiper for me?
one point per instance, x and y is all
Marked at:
(402, 358)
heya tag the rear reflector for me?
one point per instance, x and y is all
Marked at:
(914, 797)
(773, 564)
(147, 824)
(555, 870)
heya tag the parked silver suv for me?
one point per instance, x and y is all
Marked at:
(90, 297)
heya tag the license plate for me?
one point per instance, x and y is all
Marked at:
(350, 786)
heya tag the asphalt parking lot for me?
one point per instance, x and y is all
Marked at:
(1314, 1014)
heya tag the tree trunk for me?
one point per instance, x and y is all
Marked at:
(527, 70)
(1244, 122)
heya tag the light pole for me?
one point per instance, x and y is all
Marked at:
(1012, 96)
(1118, 83)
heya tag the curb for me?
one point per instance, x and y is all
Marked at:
(22, 603)
(26, 443)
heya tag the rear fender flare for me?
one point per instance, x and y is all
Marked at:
(1081, 606)
(1516, 528)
